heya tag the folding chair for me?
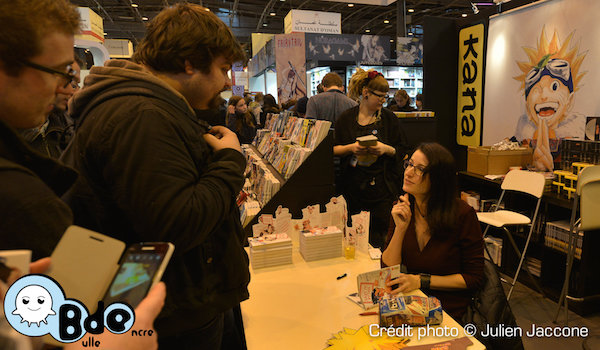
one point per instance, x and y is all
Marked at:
(519, 181)
(587, 197)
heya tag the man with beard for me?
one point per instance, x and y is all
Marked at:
(152, 170)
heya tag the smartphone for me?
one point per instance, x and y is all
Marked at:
(142, 266)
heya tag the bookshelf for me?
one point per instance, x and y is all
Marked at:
(584, 282)
(407, 78)
(311, 183)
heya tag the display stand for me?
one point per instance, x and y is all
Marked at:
(311, 183)
(584, 282)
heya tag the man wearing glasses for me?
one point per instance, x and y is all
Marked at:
(36, 54)
(52, 137)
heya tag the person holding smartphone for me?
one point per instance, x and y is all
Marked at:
(435, 234)
(145, 313)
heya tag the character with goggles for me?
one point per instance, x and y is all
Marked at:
(549, 96)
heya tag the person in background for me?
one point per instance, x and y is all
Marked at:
(269, 106)
(435, 234)
(52, 137)
(166, 174)
(240, 120)
(300, 107)
(332, 102)
(402, 102)
(370, 184)
(419, 102)
(289, 104)
(36, 54)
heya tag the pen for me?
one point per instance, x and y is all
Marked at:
(341, 276)
(369, 313)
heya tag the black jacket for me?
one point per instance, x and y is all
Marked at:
(148, 175)
(32, 216)
(56, 137)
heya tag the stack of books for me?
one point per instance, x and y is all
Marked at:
(321, 243)
(270, 250)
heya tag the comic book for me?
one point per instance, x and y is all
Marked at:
(371, 285)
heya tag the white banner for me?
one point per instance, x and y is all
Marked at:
(541, 83)
(313, 22)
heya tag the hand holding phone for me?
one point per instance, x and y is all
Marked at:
(142, 266)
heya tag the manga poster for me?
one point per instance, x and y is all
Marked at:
(290, 64)
(541, 85)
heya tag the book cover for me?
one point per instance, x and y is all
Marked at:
(371, 285)
(366, 141)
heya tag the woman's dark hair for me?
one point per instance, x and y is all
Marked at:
(245, 119)
(442, 201)
(269, 104)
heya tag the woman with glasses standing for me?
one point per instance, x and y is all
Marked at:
(435, 234)
(370, 183)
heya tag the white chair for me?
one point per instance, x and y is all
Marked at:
(587, 197)
(519, 181)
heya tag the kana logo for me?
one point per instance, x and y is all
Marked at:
(36, 305)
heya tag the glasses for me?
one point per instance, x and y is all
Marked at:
(418, 169)
(380, 96)
(68, 76)
(556, 68)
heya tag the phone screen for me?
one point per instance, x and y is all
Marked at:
(135, 276)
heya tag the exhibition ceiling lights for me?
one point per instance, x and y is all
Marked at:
(126, 19)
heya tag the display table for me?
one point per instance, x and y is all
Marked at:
(301, 306)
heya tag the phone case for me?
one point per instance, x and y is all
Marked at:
(84, 263)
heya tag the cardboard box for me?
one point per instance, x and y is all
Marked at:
(482, 160)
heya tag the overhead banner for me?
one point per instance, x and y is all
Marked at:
(313, 22)
(409, 51)
(290, 64)
(92, 26)
(470, 85)
(542, 82)
(365, 49)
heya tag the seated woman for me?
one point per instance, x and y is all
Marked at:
(434, 234)
(240, 120)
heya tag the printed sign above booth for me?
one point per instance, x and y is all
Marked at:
(366, 49)
(313, 22)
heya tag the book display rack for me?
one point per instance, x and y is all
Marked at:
(290, 163)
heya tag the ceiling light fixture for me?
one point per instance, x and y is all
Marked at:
(410, 33)
(411, 10)
(464, 15)
(272, 13)
(386, 21)
(105, 33)
(391, 40)
(264, 24)
(134, 5)
(144, 18)
(207, 9)
(350, 5)
(367, 30)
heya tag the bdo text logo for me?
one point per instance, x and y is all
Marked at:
(36, 305)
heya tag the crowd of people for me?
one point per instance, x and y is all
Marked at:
(148, 151)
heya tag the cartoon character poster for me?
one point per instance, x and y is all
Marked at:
(290, 64)
(541, 85)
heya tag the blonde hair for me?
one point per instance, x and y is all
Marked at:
(360, 80)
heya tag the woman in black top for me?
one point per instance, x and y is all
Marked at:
(371, 187)
(239, 119)
(402, 102)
